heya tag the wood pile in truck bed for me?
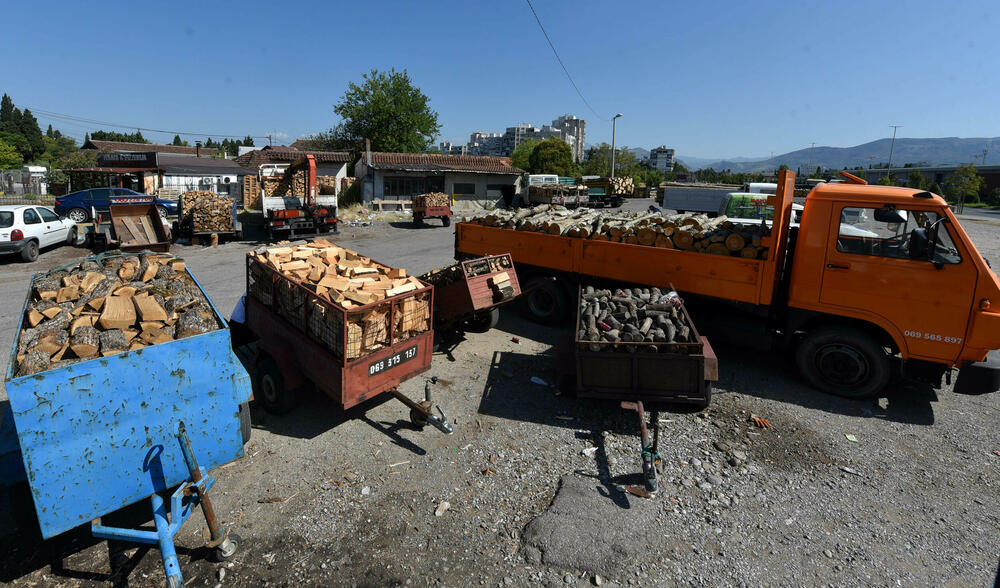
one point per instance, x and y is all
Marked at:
(622, 185)
(688, 232)
(285, 186)
(345, 284)
(251, 193)
(611, 319)
(100, 307)
(431, 199)
(206, 212)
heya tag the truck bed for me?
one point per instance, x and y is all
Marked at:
(729, 278)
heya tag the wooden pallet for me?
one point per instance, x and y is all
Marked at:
(379, 205)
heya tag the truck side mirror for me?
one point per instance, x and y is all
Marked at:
(918, 244)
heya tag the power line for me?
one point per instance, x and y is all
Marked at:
(69, 117)
(563, 65)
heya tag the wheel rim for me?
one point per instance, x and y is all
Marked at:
(542, 302)
(77, 215)
(162, 211)
(268, 389)
(842, 365)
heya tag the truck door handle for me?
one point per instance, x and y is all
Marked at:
(835, 266)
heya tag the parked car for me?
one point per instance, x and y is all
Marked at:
(26, 229)
(76, 205)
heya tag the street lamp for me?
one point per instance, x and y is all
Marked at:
(614, 124)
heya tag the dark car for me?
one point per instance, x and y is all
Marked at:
(77, 205)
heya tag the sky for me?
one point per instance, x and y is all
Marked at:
(710, 79)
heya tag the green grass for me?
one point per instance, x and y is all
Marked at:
(981, 205)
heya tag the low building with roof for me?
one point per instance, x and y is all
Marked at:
(124, 147)
(473, 181)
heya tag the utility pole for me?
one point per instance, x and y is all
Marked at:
(614, 126)
(888, 171)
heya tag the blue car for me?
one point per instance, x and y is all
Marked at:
(77, 205)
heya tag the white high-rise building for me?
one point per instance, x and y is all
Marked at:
(662, 159)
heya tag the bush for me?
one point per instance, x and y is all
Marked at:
(993, 198)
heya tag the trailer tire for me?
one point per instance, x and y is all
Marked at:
(446, 221)
(545, 301)
(703, 404)
(245, 429)
(273, 395)
(483, 321)
(843, 361)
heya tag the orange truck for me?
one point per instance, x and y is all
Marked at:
(875, 281)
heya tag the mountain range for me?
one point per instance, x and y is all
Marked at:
(937, 151)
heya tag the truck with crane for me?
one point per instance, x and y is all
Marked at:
(904, 292)
(291, 201)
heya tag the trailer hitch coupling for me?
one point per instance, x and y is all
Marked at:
(420, 412)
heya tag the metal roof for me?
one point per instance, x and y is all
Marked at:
(198, 166)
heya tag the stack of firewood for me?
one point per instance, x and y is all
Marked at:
(431, 199)
(251, 193)
(688, 232)
(443, 276)
(285, 186)
(622, 185)
(347, 280)
(206, 212)
(611, 320)
(326, 185)
(102, 307)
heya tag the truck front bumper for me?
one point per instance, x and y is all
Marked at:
(981, 377)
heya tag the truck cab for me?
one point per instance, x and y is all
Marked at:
(910, 282)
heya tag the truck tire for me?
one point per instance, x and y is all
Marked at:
(446, 220)
(843, 361)
(30, 251)
(245, 429)
(545, 301)
(271, 391)
(484, 321)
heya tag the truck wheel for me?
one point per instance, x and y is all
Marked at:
(446, 221)
(483, 321)
(843, 361)
(245, 429)
(703, 404)
(71, 237)
(271, 387)
(418, 221)
(545, 301)
(30, 251)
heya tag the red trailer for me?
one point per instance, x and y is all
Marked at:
(302, 339)
(472, 301)
(422, 212)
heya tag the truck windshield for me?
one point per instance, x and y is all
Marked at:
(6, 219)
(903, 234)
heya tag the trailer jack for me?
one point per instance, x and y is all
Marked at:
(420, 412)
(650, 450)
(190, 494)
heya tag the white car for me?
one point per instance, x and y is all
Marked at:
(26, 229)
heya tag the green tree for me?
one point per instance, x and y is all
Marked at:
(652, 177)
(390, 111)
(17, 141)
(519, 158)
(599, 162)
(993, 198)
(10, 117)
(248, 141)
(81, 159)
(116, 136)
(888, 180)
(963, 185)
(33, 133)
(552, 156)
(783, 166)
(916, 180)
(50, 133)
(9, 156)
(939, 190)
(177, 141)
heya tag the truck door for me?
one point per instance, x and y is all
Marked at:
(878, 266)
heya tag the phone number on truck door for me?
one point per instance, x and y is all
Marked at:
(932, 337)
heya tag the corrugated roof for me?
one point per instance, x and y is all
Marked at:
(484, 164)
(282, 154)
(146, 147)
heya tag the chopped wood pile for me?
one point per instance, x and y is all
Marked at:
(97, 309)
(613, 320)
(341, 280)
(621, 185)
(251, 193)
(206, 212)
(285, 186)
(326, 185)
(688, 232)
(431, 199)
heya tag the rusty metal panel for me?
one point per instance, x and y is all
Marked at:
(99, 435)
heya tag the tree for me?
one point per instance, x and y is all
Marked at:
(17, 141)
(888, 180)
(33, 133)
(10, 117)
(86, 137)
(783, 166)
(552, 156)
(519, 157)
(116, 136)
(390, 111)
(993, 198)
(652, 177)
(9, 156)
(248, 141)
(916, 180)
(177, 141)
(81, 159)
(599, 162)
(49, 133)
(963, 185)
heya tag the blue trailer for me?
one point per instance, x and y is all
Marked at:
(95, 436)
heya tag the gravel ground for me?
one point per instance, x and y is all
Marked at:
(532, 476)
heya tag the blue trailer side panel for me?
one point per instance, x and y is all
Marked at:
(11, 466)
(99, 435)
